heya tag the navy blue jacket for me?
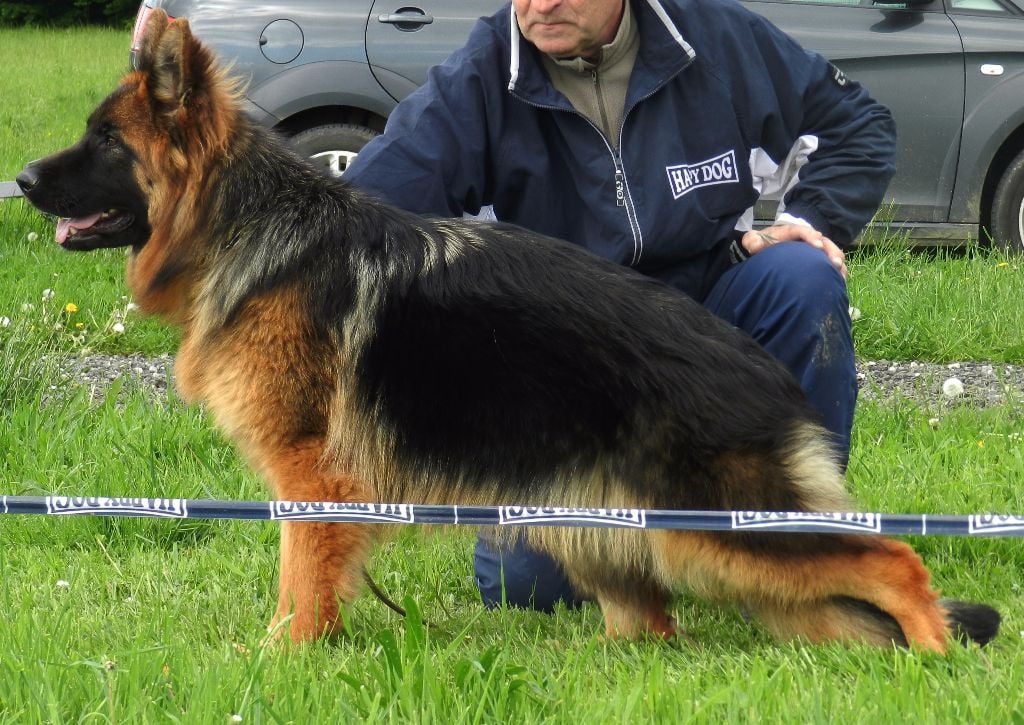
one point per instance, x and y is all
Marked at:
(719, 99)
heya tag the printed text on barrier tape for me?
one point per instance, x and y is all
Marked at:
(403, 513)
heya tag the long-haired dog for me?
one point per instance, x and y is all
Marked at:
(357, 353)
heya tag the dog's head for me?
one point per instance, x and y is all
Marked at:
(145, 145)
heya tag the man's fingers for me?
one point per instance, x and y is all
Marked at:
(754, 241)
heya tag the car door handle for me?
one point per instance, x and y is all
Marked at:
(413, 19)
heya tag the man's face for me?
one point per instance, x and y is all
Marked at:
(569, 28)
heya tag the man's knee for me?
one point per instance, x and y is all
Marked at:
(800, 277)
(517, 576)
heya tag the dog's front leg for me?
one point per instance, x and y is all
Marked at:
(320, 569)
(321, 563)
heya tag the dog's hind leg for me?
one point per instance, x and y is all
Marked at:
(815, 586)
(614, 568)
(321, 563)
(641, 613)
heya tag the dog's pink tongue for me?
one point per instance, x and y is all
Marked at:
(64, 226)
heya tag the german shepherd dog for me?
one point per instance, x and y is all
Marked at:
(358, 353)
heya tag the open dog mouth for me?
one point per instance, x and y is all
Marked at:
(91, 228)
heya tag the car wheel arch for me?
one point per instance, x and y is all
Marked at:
(1007, 152)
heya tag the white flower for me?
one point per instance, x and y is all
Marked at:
(953, 387)
(933, 422)
(5, 321)
(47, 294)
(236, 718)
(854, 314)
(27, 307)
(33, 237)
(131, 307)
(63, 584)
(117, 328)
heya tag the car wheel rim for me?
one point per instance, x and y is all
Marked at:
(335, 162)
(1020, 223)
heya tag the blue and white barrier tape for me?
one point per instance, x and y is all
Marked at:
(401, 513)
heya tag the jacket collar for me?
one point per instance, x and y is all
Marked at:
(663, 53)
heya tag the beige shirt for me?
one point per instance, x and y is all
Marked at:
(598, 91)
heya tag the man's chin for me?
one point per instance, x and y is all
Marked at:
(560, 40)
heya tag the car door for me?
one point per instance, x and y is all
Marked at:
(911, 60)
(993, 37)
(404, 38)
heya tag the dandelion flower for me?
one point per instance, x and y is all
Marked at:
(117, 328)
(1003, 264)
(47, 294)
(71, 308)
(33, 237)
(953, 387)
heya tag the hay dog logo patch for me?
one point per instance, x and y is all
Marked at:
(170, 508)
(789, 520)
(398, 513)
(551, 515)
(981, 524)
(684, 178)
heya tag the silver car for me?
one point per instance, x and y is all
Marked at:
(328, 72)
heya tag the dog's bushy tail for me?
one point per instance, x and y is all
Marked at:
(970, 622)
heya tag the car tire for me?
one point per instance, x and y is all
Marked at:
(334, 145)
(1007, 223)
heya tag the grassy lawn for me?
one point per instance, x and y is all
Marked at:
(151, 621)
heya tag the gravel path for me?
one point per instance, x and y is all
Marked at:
(983, 384)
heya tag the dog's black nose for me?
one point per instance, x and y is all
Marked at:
(28, 178)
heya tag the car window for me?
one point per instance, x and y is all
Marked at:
(991, 6)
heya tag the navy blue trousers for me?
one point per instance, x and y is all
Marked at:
(791, 300)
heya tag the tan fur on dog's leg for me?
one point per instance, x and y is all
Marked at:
(320, 567)
(884, 573)
(632, 621)
(321, 563)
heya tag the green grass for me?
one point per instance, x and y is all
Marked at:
(51, 80)
(150, 621)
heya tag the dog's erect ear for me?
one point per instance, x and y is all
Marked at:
(156, 24)
(190, 96)
(177, 66)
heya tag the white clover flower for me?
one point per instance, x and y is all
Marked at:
(117, 328)
(131, 307)
(953, 387)
(236, 718)
(33, 237)
(47, 294)
(63, 584)
(854, 314)
(5, 321)
(27, 307)
(933, 422)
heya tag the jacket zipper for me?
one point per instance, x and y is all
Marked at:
(622, 196)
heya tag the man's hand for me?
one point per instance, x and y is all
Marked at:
(754, 241)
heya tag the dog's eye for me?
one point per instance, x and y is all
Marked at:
(111, 141)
